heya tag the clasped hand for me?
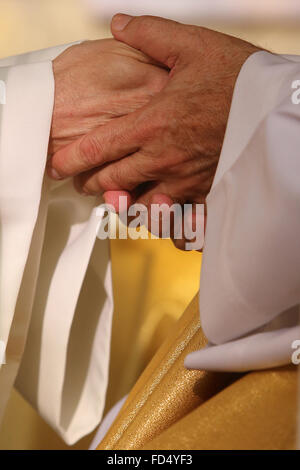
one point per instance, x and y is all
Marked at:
(144, 114)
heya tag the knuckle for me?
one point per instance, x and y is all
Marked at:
(106, 182)
(159, 82)
(135, 175)
(152, 125)
(88, 190)
(86, 185)
(145, 131)
(90, 151)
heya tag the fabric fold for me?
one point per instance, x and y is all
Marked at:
(56, 293)
(250, 267)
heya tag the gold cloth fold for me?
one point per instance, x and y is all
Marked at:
(171, 407)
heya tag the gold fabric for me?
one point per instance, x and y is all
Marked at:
(256, 412)
(153, 284)
(166, 391)
(173, 408)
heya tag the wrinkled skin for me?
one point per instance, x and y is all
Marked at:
(175, 140)
(167, 150)
(97, 81)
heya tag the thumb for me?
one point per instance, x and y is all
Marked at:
(161, 39)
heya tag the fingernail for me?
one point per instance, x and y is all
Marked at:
(53, 174)
(120, 21)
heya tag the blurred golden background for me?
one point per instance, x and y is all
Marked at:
(153, 283)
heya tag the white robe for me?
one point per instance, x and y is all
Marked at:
(51, 267)
(250, 279)
(55, 279)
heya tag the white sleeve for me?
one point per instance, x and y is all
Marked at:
(250, 280)
(55, 281)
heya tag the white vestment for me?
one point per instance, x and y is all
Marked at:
(55, 281)
(55, 284)
(250, 279)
